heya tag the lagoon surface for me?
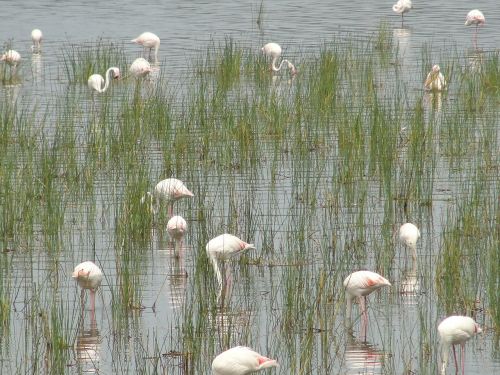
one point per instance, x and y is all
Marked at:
(318, 171)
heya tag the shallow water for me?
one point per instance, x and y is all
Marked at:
(293, 224)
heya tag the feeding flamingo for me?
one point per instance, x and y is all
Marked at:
(456, 330)
(176, 228)
(13, 58)
(408, 235)
(140, 67)
(273, 50)
(435, 80)
(148, 40)
(402, 7)
(89, 276)
(96, 81)
(36, 37)
(170, 190)
(475, 17)
(222, 248)
(241, 360)
(358, 285)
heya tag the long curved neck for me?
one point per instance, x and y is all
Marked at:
(107, 79)
(277, 68)
(156, 52)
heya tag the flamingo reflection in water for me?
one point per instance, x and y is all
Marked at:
(87, 348)
(363, 357)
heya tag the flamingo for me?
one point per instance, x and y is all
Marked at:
(456, 330)
(13, 58)
(475, 17)
(222, 248)
(140, 68)
(241, 360)
(273, 50)
(148, 40)
(409, 234)
(435, 80)
(402, 7)
(176, 228)
(358, 285)
(89, 276)
(36, 37)
(170, 189)
(96, 81)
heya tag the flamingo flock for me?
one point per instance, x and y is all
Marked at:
(453, 330)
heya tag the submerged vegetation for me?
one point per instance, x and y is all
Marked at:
(317, 170)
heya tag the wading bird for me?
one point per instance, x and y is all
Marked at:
(36, 37)
(358, 285)
(169, 190)
(475, 17)
(222, 248)
(148, 40)
(140, 68)
(435, 80)
(273, 50)
(402, 7)
(97, 83)
(176, 228)
(456, 330)
(408, 235)
(13, 58)
(240, 360)
(89, 276)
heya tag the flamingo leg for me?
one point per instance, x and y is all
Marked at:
(170, 210)
(455, 357)
(462, 357)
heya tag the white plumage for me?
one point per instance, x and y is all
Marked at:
(148, 40)
(409, 235)
(97, 83)
(273, 50)
(36, 37)
(435, 80)
(240, 360)
(140, 68)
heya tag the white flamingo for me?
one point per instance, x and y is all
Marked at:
(456, 330)
(89, 276)
(97, 83)
(169, 190)
(13, 58)
(140, 67)
(409, 235)
(273, 50)
(241, 360)
(148, 40)
(36, 37)
(176, 228)
(435, 80)
(475, 17)
(402, 7)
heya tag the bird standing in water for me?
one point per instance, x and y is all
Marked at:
(402, 7)
(97, 83)
(475, 17)
(273, 50)
(13, 58)
(241, 360)
(36, 37)
(169, 190)
(89, 276)
(408, 235)
(435, 80)
(148, 40)
(456, 330)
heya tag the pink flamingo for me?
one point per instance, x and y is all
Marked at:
(222, 248)
(13, 58)
(358, 285)
(475, 17)
(408, 235)
(148, 40)
(241, 360)
(89, 276)
(36, 37)
(273, 50)
(176, 228)
(96, 81)
(402, 7)
(140, 68)
(456, 330)
(170, 190)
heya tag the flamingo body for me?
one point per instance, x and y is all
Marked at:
(36, 37)
(409, 235)
(475, 17)
(169, 190)
(241, 360)
(176, 227)
(456, 330)
(88, 275)
(273, 50)
(140, 67)
(435, 82)
(96, 82)
(11, 57)
(148, 40)
(402, 6)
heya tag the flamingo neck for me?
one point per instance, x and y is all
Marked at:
(277, 68)
(107, 79)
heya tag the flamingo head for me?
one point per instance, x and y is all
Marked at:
(293, 69)
(116, 72)
(435, 69)
(477, 329)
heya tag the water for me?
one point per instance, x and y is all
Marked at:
(401, 336)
